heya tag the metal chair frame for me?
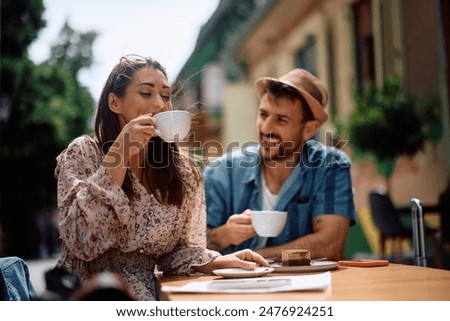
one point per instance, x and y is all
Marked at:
(387, 220)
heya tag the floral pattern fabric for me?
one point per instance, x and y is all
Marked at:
(103, 230)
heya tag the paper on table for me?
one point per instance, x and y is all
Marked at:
(257, 285)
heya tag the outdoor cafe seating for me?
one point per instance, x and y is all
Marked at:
(387, 219)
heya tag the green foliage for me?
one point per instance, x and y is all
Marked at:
(21, 21)
(73, 51)
(389, 122)
(60, 100)
(42, 108)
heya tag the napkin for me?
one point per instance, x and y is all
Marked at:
(318, 282)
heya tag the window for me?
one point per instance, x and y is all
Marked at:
(306, 59)
(364, 42)
(306, 56)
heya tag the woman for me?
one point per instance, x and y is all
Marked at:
(129, 201)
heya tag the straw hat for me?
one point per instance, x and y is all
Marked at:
(307, 85)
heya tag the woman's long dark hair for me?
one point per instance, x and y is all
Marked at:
(162, 163)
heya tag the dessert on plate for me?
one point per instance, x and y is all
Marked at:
(295, 257)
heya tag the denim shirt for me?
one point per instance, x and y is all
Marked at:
(15, 282)
(319, 184)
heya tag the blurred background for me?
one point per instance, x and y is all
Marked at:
(384, 62)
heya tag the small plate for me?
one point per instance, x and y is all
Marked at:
(241, 273)
(315, 266)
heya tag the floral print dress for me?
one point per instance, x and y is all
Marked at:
(102, 230)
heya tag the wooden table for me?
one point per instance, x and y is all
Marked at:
(393, 282)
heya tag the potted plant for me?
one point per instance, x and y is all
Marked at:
(388, 122)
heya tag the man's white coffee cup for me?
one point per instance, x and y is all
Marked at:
(268, 223)
(173, 125)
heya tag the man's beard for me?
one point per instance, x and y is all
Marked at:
(275, 150)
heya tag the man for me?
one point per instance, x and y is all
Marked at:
(287, 171)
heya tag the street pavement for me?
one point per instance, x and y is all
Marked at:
(37, 269)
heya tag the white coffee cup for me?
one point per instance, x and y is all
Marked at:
(268, 223)
(173, 125)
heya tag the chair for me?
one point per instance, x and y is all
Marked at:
(387, 219)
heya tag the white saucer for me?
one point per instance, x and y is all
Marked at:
(241, 273)
(315, 266)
